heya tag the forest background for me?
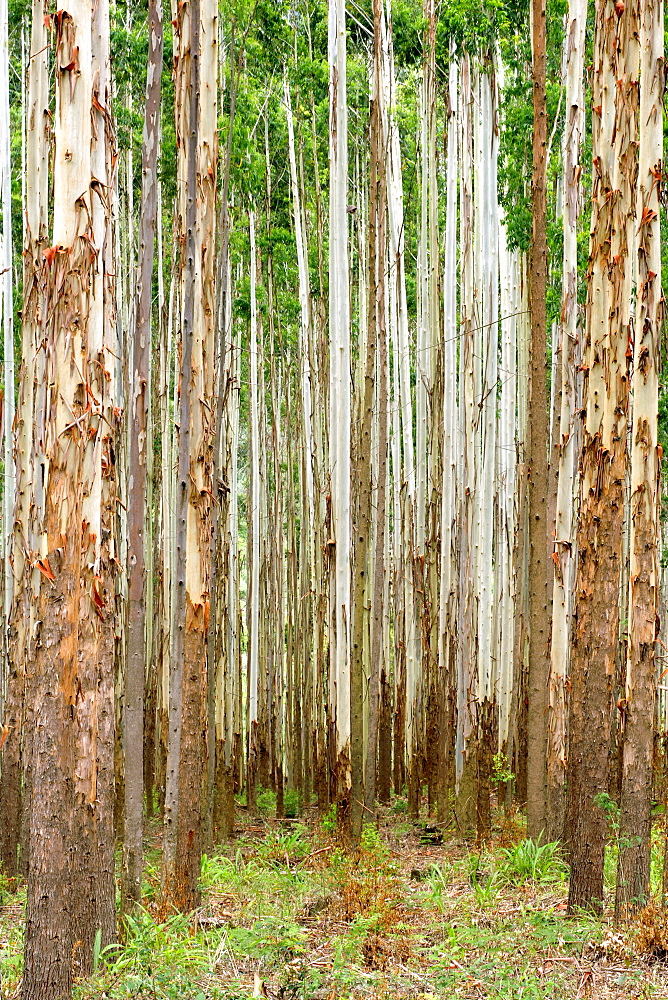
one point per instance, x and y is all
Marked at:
(339, 331)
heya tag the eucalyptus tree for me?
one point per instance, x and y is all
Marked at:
(69, 764)
(196, 125)
(640, 688)
(603, 458)
(137, 493)
(7, 308)
(564, 548)
(539, 615)
(339, 411)
(378, 263)
(21, 619)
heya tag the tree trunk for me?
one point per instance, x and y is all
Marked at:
(195, 110)
(339, 401)
(539, 616)
(137, 494)
(603, 457)
(70, 677)
(564, 549)
(637, 710)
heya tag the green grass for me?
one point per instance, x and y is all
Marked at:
(313, 922)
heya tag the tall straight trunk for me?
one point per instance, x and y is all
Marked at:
(195, 110)
(467, 663)
(521, 655)
(253, 534)
(486, 356)
(603, 458)
(507, 466)
(94, 714)
(219, 673)
(539, 616)
(377, 312)
(7, 312)
(137, 494)
(339, 407)
(447, 603)
(407, 676)
(70, 677)
(639, 701)
(564, 548)
(21, 620)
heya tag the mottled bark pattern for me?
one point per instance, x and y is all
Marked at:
(603, 459)
(637, 709)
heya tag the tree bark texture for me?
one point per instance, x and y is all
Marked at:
(539, 615)
(637, 708)
(137, 493)
(603, 458)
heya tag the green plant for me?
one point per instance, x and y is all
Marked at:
(269, 939)
(486, 890)
(399, 806)
(436, 887)
(532, 861)
(372, 845)
(611, 809)
(291, 804)
(281, 844)
(266, 802)
(501, 773)
(328, 820)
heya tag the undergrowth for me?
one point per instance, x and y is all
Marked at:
(291, 915)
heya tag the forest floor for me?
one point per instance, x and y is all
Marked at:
(286, 914)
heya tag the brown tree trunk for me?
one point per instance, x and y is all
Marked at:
(135, 669)
(35, 238)
(377, 333)
(603, 458)
(539, 616)
(181, 833)
(639, 698)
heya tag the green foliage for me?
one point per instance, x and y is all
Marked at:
(328, 821)
(532, 861)
(501, 773)
(270, 940)
(437, 884)
(399, 806)
(292, 805)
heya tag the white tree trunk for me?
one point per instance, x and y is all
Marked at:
(339, 398)
(564, 543)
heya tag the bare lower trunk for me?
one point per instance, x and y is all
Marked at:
(539, 615)
(603, 458)
(137, 498)
(639, 700)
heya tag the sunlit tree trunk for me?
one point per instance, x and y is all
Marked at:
(486, 356)
(70, 679)
(196, 122)
(467, 662)
(603, 458)
(339, 406)
(507, 467)
(220, 655)
(448, 587)
(378, 311)
(7, 312)
(638, 708)
(31, 385)
(564, 543)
